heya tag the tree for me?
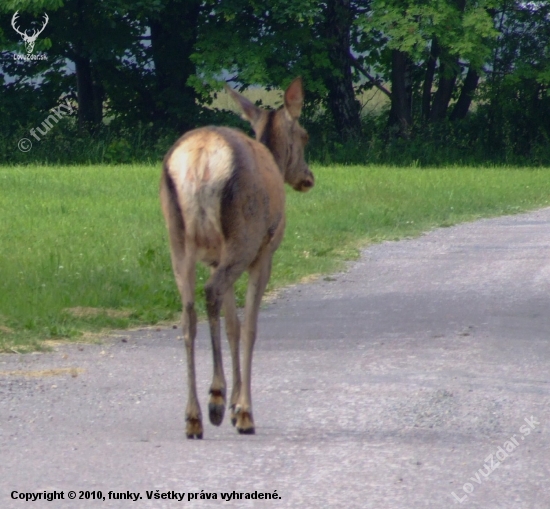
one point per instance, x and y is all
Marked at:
(434, 37)
(174, 30)
(94, 36)
(158, 63)
(336, 32)
(272, 42)
(114, 43)
(517, 90)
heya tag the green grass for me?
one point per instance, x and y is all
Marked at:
(93, 236)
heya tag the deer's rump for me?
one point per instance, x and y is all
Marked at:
(226, 187)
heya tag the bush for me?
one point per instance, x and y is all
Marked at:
(482, 138)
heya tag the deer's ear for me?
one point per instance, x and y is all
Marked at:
(250, 111)
(294, 98)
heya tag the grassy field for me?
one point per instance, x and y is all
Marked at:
(85, 248)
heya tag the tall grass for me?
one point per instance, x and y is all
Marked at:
(84, 247)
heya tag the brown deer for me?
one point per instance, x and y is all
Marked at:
(223, 199)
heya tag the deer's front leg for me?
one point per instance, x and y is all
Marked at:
(259, 277)
(220, 282)
(216, 403)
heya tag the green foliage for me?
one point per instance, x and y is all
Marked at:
(33, 6)
(504, 136)
(230, 43)
(148, 89)
(410, 25)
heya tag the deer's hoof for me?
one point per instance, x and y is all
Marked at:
(216, 407)
(249, 431)
(245, 423)
(193, 428)
(216, 413)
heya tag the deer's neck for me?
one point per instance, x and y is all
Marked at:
(272, 138)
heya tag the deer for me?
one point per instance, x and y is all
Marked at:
(222, 195)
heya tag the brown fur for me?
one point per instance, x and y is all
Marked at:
(222, 195)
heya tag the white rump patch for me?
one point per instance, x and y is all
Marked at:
(200, 168)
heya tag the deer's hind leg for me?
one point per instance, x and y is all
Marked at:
(184, 268)
(183, 264)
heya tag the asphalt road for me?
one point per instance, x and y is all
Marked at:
(420, 372)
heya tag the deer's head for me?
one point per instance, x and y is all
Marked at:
(280, 131)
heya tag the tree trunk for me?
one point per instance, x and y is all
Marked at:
(429, 80)
(341, 95)
(89, 91)
(401, 97)
(444, 92)
(89, 95)
(173, 37)
(448, 72)
(466, 95)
